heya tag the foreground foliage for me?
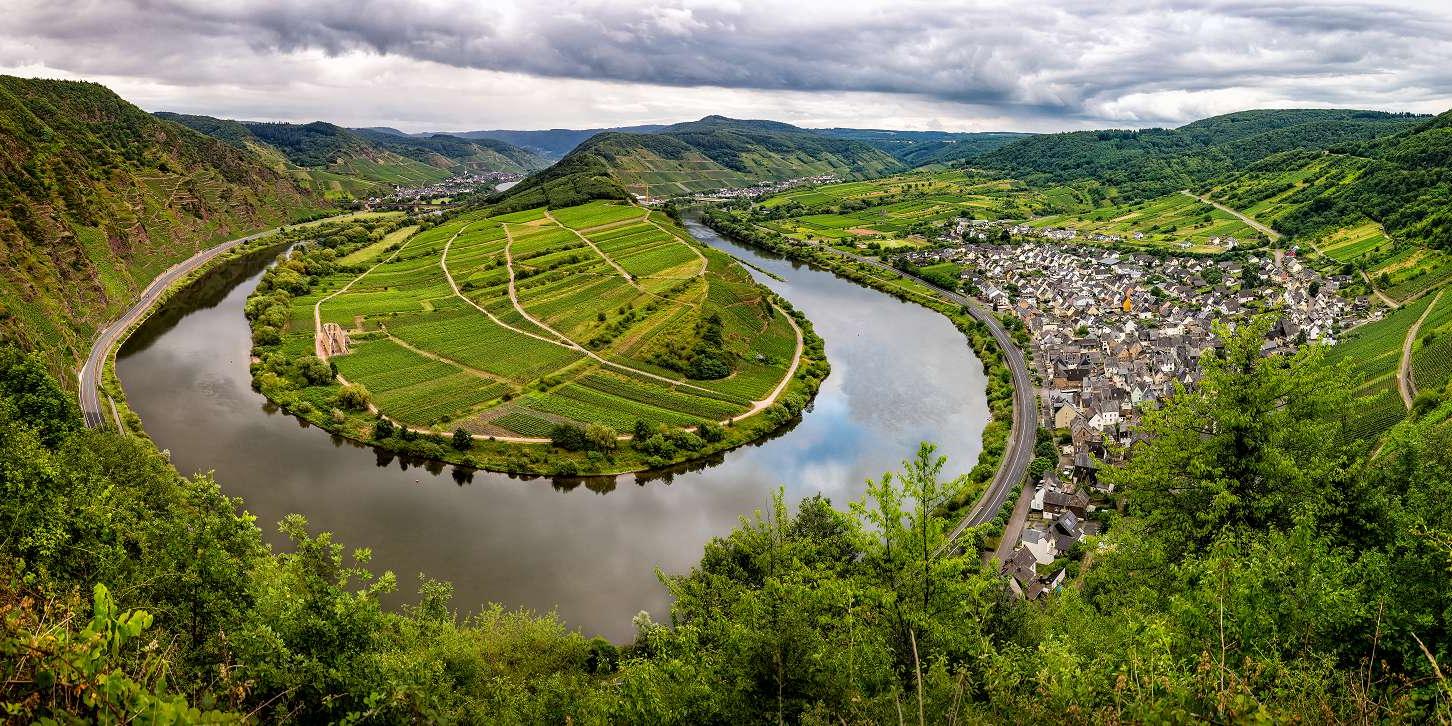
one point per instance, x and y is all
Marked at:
(1259, 570)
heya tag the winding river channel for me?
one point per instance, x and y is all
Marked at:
(901, 374)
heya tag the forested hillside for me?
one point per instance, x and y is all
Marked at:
(1149, 162)
(552, 143)
(97, 197)
(919, 148)
(344, 163)
(712, 153)
(1402, 181)
(1262, 572)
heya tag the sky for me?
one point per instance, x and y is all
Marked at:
(1021, 65)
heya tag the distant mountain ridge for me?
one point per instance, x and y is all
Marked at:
(97, 197)
(693, 156)
(344, 162)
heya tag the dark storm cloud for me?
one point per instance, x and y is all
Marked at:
(1071, 59)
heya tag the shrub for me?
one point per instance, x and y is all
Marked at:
(353, 397)
(462, 440)
(569, 437)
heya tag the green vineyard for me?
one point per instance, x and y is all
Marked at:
(511, 325)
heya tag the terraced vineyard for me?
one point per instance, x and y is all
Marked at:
(1373, 353)
(508, 326)
(1432, 352)
(891, 210)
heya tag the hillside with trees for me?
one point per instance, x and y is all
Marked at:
(345, 163)
(920, 148)
(1144, 163)
(1402, 181)
(97, 197)
(712, 153)
(1263, 571)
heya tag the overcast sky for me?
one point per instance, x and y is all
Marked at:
(975, 66)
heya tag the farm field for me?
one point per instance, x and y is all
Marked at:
(1412, 271)
(1373, 353)
(1432, 351)
(1353, 243)
(1173, 220)
(896, 211)
(602, 314)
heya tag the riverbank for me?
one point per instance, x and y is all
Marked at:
(97, 375)
(1009, 438)
(290, 367)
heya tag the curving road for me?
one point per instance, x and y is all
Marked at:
(89, 377)
(1019, 448)
(1270, 234)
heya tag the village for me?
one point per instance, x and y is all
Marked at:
(411, 198)
(754, 191)
(1111, 333)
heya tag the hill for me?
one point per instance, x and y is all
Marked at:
(553, 143)
(920, 148)
(1402, 181)
(345, 163)
(97, 197)
(712, 153)
(1149, 162)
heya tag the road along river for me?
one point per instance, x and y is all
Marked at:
(901, 374)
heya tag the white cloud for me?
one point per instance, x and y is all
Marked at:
(460, 64)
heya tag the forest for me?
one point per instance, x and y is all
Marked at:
(1257, 570)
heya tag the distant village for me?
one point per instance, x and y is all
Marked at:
(1114, 332)
(751, 192)
(411, 197)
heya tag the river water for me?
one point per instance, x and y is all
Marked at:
(901, 374)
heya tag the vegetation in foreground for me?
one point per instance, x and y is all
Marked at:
(1259, 570)
(585, 340)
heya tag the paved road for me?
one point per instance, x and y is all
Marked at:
(1267, 231)
(1021, 437)
(90, 374)
(1014, 529)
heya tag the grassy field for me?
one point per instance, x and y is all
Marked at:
(1173, 220)
(899, 210)
(586, 315)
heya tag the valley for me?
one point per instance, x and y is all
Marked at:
(1162, 412)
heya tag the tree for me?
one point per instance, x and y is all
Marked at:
(1257, 441)
(463, 440)
(601, 438)
(353, 397)
(569, 437)
(382, 428)
(642, 431)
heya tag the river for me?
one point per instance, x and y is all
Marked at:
(901, 374)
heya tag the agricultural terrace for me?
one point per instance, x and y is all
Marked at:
(1432, 351)
(1167, 221)
(1411, 271)
(1374, 354)
(507, 326)
(898, 211)
(1353, 243)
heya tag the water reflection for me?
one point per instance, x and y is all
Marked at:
(901, 374)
